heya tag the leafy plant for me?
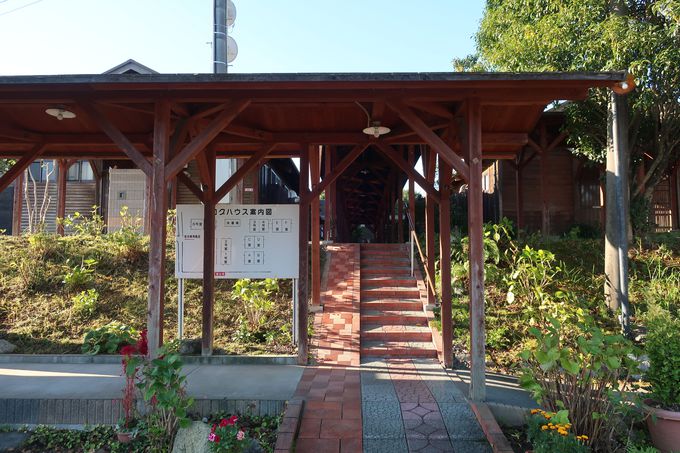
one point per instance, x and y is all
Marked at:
(227, 437)
(129, 239)
(79, 276)
(550, 432)
(85, 302)
(583, 375)
(92, 225)
(108, 339)
(257, 302)
(663, 348)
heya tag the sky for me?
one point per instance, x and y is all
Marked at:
(173, 36)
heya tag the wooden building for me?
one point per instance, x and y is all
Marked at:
(331, 122)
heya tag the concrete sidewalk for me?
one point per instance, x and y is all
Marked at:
(88, 381)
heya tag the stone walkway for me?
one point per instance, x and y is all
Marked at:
(376, 404)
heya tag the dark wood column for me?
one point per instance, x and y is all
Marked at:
(315, 204)
(303, 258)
(519, 195)
(209, 201)
(400, 214)
(158, 207)
(411, 186)
(473, 119)
(428, 166)
(327, 205)
(18, 208)
(445, 260)
(63, 166)
(545, 199)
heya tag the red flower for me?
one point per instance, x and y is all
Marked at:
(217, 439)
(223, 422)
(143, 344)
(128, 350)
(214, 427)
(232, 420)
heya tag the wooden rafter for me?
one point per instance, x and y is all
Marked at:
(21, 165)
(339, 169)
(394, 156)
(184, 179)
(246, 168)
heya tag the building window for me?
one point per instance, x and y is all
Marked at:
(80, 171)
(42, 169)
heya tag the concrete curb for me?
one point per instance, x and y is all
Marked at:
(21, 412)
(289, 427)
(107, 359)
(493, 432)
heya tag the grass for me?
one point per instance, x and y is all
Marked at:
(38, 314)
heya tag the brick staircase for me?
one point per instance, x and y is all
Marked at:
(393, 323)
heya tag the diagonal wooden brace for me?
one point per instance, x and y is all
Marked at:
(338, 170)
(246, 168)
(21, 165)
(395, 157)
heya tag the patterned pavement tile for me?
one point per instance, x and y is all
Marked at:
(467, 446)
(385, 445)
(382, 420)
(461, 422)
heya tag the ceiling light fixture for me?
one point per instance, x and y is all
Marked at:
(60, 113)
(374, 128)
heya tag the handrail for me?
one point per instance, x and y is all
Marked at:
(413, 238)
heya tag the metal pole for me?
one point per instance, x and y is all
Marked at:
(220, 37)
(180, 308)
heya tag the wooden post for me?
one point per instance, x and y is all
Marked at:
(209, 202)
(62, 170)
(147, 206)
(314, 163)
(429, 166)
(476, 238)
(334, 197)
(328, 195)
(519, 193)
(400, 214)
(158, 208)
(543, 156)
(445, 260)
(303, 263)
(673, 183)
(411, 186)
(18, 208)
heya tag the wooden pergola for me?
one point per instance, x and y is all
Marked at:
(163, 122)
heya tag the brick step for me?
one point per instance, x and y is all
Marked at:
(385, 253)
(394, 317)
(392, 292)
(398, 349)
(378, 246)
(399, 272)
(372, 281)
(391, 305)
(377, 332)
(381, 261)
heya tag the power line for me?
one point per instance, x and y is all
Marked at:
(19, 8)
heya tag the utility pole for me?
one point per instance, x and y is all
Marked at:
(220, 37)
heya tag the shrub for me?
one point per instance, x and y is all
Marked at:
(256, 298)
(583, 375)
(663, 348)
(108, 339)
(550, 432)
(85, 302)
(79, 276)
(92, 225)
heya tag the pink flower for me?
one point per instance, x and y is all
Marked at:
(240, 435)
(211, 437)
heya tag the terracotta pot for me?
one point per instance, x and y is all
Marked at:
(124, 438)
(664, 427)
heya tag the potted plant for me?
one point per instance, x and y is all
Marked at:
(663, 349)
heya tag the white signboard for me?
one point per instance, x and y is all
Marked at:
(251, 241)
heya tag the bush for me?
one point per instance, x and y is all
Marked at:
(584, 375)
(663, 348)
(550, 432)
(257, 299)
(79, 276)
(85, 302)
(108, 339)
(92, 225)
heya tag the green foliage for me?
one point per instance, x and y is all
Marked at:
(640, 207)
(550, 432)
(96, 438)
(108, 339)
(92, 225)
(129, 241)
(79, 276)
(583, 374)
(85, 302)
(162, 386)
(6, 164)
(663, 349)
(257, 303)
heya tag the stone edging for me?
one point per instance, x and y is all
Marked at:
(289, 427)
(109, 359)
(493, 432)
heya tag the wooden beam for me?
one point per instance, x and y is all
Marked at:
(302, 321)
(429, 162)
(63, 166)
(394, 156)
(339, 169)
(544, 185)
(158, 221)
(204, 137)
(315, 205)
(327, 205)
(20, 135)
(411, 186)
(243, 170)
(400, 214)
(445, 261)
(21, 165)
(433, 108)
(473, 126)
(209, 201)
(204, 172)
(116, 136)
(18, 204)
(432, 139)
(184, 179)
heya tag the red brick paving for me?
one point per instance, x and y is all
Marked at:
(331, 418)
